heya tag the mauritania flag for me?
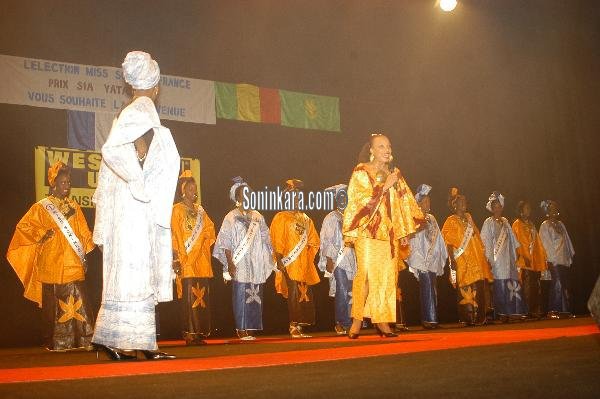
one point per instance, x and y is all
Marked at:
(309, 111)
(251, 103)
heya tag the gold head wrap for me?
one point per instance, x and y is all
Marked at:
(54, 170)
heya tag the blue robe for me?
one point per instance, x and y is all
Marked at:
(508, 293)
(560, 252)
(252, 270)
(340, 283)
(428, 255)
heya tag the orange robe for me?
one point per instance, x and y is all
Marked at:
(284, 237)
(472, 265)
(531, 247)
(197, 263)
(51, 262)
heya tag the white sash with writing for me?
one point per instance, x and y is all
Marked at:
(244, 245)
(339, 258)
(189, 243)
(64, 227)
(532, 236)
(297, 249)
(465, 241)
(432, 239)
(501, 241)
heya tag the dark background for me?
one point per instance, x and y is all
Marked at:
(497, 95)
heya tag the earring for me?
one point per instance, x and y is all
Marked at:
(238, 204)
(371, 157)
(391, 158)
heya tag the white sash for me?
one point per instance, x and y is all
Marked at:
(532, 236)
(64, 227)
(297, 249)
(339, 258)
(466, 238)
(189, 243)
(433, 240)
(244, 245)
(501, 241)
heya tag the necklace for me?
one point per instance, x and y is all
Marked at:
(142, 158)
(191, 214)
(62, 204)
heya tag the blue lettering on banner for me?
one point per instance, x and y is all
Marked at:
(47, 66)
(58, 83)
(84, 86)
(89, 102)
(179, 83)
(97, 72)
(171, 111)
(40, 97)
(117, 106)
(114, 89)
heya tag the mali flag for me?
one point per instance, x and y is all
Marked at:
(247, 102)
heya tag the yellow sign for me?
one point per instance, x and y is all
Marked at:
(84, 172)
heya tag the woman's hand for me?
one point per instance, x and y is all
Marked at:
(330, 265)
(391, 179)
(280, 265)
(176, 266)
(231, 269)
(49, 234)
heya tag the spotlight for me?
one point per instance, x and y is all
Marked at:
(447, 5)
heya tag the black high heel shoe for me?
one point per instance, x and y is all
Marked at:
(156, 355)
(385, 334)
(113, 353)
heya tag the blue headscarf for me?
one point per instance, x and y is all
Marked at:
(495, 196)
(422, 191)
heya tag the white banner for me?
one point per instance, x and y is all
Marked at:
(52, 84)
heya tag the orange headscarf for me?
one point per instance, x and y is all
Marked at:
(54, 170)
(185, 177)
(293, 184)
(453, 195)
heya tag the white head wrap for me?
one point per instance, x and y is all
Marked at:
(545, 205)
(341, 201)
(140, 70)
(237, 182)
(495, 196)
(336, 189)
(422, 191)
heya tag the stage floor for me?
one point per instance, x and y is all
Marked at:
(550, 358)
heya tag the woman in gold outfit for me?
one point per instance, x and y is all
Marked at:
(381, 213)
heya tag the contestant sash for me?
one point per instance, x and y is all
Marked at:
(501, 241)
(339, 258)
(244, 245)
(465, 241)
(189, 243)
(297, 249)
(65, 227)
(433, 239)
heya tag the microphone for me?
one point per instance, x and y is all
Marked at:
(392, 168)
